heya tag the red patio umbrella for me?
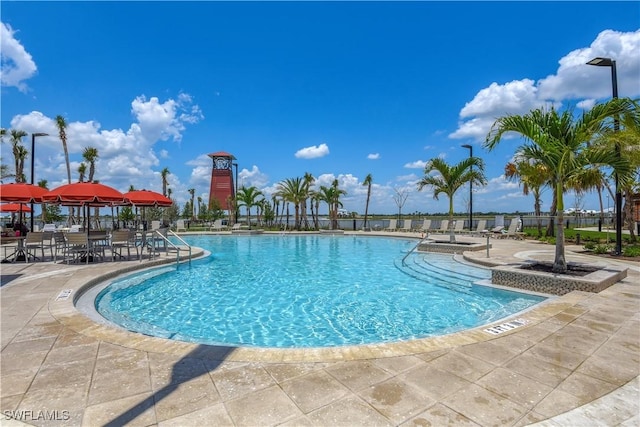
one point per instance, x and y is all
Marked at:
(147, 198)
(14, 207)
(84, 193)
(21, 193)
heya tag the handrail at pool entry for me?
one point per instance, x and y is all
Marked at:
(169, 242)
(414, 248)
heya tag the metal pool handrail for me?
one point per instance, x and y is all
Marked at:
(177, 248)
(414, 248)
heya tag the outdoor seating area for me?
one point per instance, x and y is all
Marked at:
(83, 247)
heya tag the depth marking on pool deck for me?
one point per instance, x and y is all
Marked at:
(498, 329)
(64, 295)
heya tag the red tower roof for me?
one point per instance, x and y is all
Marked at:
(221, 154)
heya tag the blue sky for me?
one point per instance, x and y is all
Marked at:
(339, 90)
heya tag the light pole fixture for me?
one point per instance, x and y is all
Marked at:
(235, 195)
(470, 189)
(33, 157)
(608, 62)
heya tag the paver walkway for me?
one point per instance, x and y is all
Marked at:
(576, 363)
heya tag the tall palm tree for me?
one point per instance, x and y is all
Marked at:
(16, 144)
(533, 176)
(368, 180)
(560, 142)
(448, 179)
(292, 190)
(249, 197)
(164, 173)
(192, 191)
(331, 196)
(308, 181)
(61, 124)
(90, 155)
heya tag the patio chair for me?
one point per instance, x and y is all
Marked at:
(406, 226)
(458, 226)
(76, 247)
(426, 226)
(121, 240)
(392, 225)
(217, 225)
(512, 231)
(59, 244)
(480, 228)
(180, 226)
(32, 243)
(444, 227)
(155, 225)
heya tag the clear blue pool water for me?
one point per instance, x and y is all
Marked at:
(307, 291)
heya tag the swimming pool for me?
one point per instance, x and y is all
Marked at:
(307, 291)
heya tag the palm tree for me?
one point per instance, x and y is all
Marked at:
(560, 143)
(164, 173)
(43, 183)
(22, 154)
(16, 144)
(192, 191)
(367, 181)
(90, 154)
(331, 196)
(248, 197)
(82, 172)
(450, 178)
(307, 182)
(533, 176)
(292, 190)
(62, 133)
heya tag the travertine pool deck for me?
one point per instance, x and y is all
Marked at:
(575, 363)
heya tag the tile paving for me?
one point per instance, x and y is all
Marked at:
(577, 362)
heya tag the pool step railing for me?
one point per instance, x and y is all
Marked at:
(159, 235)
(414, 248)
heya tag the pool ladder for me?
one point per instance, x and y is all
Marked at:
(156, 234)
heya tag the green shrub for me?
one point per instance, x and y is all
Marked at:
(589, 246)
(631, 251)
(602, 249)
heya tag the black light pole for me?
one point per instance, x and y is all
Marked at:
(235, 195)
(470, 189)
(608, 62)
(33, 156)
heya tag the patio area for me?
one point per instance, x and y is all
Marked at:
(576, 361)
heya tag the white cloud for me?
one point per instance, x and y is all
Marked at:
(418, 164)
(574, 80)
(125, 157)
(373, 156)
(17, 63)
(313, 152)
(252, 178)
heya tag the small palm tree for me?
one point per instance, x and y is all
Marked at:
(448, 179)
(561, 143)
(90, 155)
(82, 171)
(367, 181)
(16, 145)
(192, 191)
(293, 190)
(533, 176)
(249, 197)
(61, 124)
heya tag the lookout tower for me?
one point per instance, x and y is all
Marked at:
(222, 187)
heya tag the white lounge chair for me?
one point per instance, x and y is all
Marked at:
(459, 226)
(392, 225)
(481, 228)
(444, 227)
(406, 225)
(180, 225)
(426, 226)
(217, 225)
(512, 231)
